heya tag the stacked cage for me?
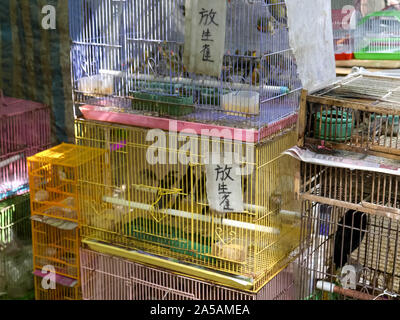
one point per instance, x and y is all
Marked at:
(161, 122)
(344, 25)
(55, 214)
(128, 61)
(163, 209)
(24, 130)
(350, 211)
(106, 277)
(378, 36)
(16, 281)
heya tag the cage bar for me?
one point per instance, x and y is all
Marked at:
(162, 207)
(24, 131)
(354, 189)
(348, 254)
(128, 56)
(106, 277)
(44, 292)
(16, 280)
(344, 23)
(358, 113)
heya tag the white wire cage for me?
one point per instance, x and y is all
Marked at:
(106, 277)
(129, 55)
(378, 36)
(344, 23)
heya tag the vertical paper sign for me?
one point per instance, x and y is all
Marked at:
(205, 22)
(224, 188)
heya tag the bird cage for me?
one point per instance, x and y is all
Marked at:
(378, 36)
(16, 279)
(42, 292)
(24, 131)
(358, 113)
(164, 208)
(344, 24)
(53, 179)
(350, 184)
(133, 56)
(56, 244)
(347, 254)
(106, 277)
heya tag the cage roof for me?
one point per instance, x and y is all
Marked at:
(68, 155)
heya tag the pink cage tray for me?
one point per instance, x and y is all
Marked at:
(91, 112)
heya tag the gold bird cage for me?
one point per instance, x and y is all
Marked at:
(164, 208)
(53, 179)
(59, 293)
(55, 212)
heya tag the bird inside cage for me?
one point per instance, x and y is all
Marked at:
(351, 230)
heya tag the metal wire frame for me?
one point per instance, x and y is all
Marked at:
(56, 247)
(359, 113)
(325, 234)
(343, 31)
(379, 35)
(53, 179)
(15, 235)
(128, 54)
(106, 277)
(24, 131)
(135, 208)
(355, 189)
(59, 293)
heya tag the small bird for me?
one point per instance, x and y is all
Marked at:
(172, 61)
(165, 198)
(278, 11)
(266, 25)
(349, 235)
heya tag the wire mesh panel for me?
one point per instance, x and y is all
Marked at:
(54, 175)
(106, 277)
(16, 280)
(378, 36)
(359, 113)
(344, 24)
(42, 292)
(348, 254)
(24, 131)
(352, 188)
(56, 247)
(162, 207)
(129, 55)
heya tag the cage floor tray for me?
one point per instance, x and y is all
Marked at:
(91, 112)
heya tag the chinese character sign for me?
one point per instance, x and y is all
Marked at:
(205, 22)
(224, 188)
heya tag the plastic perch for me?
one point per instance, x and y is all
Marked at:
(274, 90)
(188, 215)
(332, 288)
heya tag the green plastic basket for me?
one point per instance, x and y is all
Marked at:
(332, 126)
(171, 237)
(163, 104)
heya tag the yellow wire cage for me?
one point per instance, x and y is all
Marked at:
(59, 293)
(55, 212)
(163, 209)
